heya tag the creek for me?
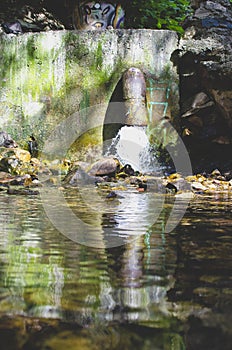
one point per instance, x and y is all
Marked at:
(156, 291)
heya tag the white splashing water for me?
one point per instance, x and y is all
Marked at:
(131, 146)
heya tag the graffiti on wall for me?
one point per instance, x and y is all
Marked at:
(93, 15)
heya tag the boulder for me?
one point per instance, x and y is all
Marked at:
(108, 166)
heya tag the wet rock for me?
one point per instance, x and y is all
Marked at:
(171, 188)
(197, 186)
(122, 175)
(111, 195)
(197, 178)
(174, 176)
(142, 186)
(127, 169)
(21, 180)
(22, 192)
(105, 167)
(7, 179)
(155, 184)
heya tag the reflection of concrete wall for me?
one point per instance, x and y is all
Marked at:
(46, 77)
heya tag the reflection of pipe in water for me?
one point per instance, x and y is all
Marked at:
(135, 294)
(133, 263)
(134, 93)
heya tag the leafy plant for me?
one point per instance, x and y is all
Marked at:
(157, 14)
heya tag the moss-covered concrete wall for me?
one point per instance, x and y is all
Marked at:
(46, 77)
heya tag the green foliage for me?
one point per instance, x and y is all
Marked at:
(157, 14)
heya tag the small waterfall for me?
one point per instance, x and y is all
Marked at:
(131, 146)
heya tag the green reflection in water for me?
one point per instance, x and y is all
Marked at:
(161, 291)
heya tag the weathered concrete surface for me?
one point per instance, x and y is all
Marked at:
(48, 76)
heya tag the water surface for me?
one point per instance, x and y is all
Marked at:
(158, 291)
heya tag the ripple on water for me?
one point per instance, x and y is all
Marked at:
(159, 280)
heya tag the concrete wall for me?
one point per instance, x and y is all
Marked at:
(46, 77)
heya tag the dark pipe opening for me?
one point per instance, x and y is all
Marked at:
(115, 116)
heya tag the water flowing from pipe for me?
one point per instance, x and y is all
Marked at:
(131, 146)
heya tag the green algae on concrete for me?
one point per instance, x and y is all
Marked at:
(46, 77)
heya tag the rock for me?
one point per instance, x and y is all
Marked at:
(191, 178)
(22, 155)
(142, 186)
(105, 167)
(197, 186)
(174, 176)
(15, 161)
(6, 179)
(12, 27)
(204, 63)
(78, 177)
(4, 175)
(122, 175)
(223, 98)
(222, 140)
(196, 121)
(24, 180)
(197, 103)
(127, 169)
(170, 188)
(6, 140)
(111, 195)
(31, 19)
(9, 165)
(228, 175)
(182, 185)
(215, 173)
(23, 191)
(155, 184)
